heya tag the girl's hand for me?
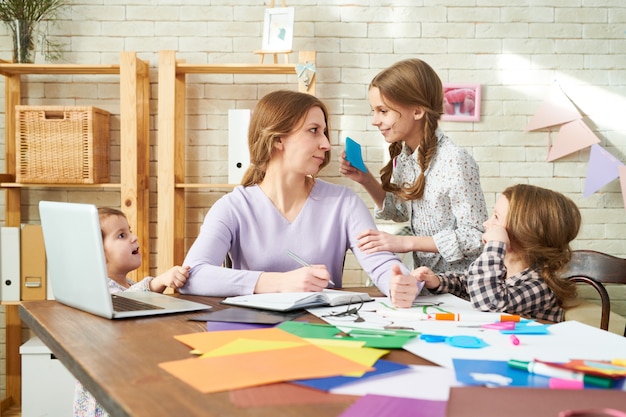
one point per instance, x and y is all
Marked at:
(371, 241)
(402, 288)
(173, 278)
(345, 168)
(497, 233)
(426, 275)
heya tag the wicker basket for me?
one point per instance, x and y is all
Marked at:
(57, 144)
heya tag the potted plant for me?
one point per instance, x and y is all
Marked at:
(23, 18)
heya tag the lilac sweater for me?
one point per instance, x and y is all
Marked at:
(246, 225)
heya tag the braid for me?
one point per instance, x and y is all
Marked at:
(425, 153)
(387, 171)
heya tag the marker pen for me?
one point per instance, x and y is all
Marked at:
(473, 317)
(553, 372)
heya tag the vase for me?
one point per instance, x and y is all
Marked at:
(25, 36)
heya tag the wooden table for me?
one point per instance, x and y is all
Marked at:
(117, 361)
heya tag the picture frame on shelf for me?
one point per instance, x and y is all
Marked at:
(278, 29)
(461, 102)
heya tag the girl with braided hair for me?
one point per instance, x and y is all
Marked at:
(527, 245)
(429, 181)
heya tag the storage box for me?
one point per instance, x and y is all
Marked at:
(47, 386)
(62, 145)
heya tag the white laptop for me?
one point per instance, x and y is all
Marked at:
(77, 267)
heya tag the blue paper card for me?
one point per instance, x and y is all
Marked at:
(326, 384)
(353, 154)
(495, 373)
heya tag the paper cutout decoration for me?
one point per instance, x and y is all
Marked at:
(306, 73)
(572, 137)
(602, 169)
(555, 110)
(622, 180)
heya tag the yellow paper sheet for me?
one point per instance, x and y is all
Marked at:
(207, 341)
(250, 345)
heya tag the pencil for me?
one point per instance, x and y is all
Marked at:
(302, 262)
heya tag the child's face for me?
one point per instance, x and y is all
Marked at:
(398, 124)
(121, 247)
(500, 212)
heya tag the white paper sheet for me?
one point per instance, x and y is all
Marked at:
(420, 381)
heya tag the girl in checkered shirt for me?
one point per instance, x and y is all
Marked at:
(527, 244)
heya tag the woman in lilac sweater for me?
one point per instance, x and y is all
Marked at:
(282, 207)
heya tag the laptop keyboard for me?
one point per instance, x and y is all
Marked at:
(128, 304)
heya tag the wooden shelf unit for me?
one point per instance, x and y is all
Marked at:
(134, 171)
(171, 147)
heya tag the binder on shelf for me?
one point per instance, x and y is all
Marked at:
(10, 263)
(238, 154)
(33, 263)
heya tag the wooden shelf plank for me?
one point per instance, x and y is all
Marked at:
(205, 185)
(68, 69)
(22, 185)
(253, 69)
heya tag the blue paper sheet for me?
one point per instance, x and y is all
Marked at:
(325, 384)
(353, 154)
(496, 373)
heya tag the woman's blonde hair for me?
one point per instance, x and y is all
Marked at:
(541, 223)
(277, 114)
(412, 82)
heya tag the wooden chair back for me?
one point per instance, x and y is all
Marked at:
(597, 268)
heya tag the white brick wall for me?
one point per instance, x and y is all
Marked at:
(516, 49)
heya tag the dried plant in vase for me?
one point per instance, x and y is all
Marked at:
(23, 18)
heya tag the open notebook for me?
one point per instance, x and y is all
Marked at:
(77, 267)
(290, 301)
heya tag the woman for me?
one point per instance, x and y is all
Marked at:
(282, 207)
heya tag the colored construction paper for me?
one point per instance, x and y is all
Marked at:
(284, 393)
(221, 373)
(380, 367)
(218, 326)
(387, 406)
(419, 381)
(246, 315)
(354, 156)
(495, 373)
(250, 345)
(602, 169)
(555, 110)
(572, 136)
(310, 330)
(207, 341)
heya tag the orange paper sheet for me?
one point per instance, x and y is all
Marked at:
(223, 373)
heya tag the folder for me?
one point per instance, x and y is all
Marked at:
(10, 263)
(238, 154)
(33, 263)
(524, 402)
